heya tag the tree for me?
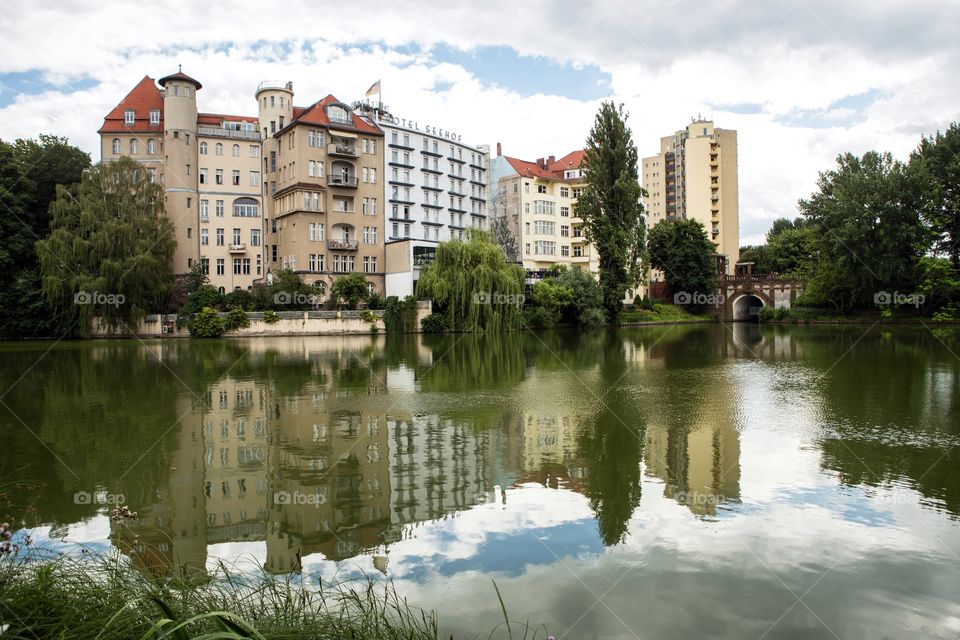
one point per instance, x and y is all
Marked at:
(937, 163)
(869, 234)
(553, 297)
(110, 248)
(610, 205)
(350, 289)
(586, 308)
(473, 282)
(30, 171)
(682, 250)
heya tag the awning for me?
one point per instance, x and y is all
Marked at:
(342, 134)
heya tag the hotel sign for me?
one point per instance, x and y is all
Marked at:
(414, 125)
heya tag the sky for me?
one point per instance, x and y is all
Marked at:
(800, 80)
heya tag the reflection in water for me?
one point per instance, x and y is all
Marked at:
(300, 450)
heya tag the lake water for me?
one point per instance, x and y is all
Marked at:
(666, 482)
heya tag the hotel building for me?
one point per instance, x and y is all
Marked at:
(695, 177)
(324, 188)
(435, 188)
(209, 166)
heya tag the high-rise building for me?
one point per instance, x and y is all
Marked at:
(209, 166)
(694, 177)
(324, 175)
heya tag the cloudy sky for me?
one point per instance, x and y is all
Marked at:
(801, 80)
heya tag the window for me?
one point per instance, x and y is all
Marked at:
(564, 212)
(219, 266)
(369, 264)
(219, 176)
(134, 147)
(236, 151)
(219, 208)
(544, 247)
(254, 151)
(236, 236)
(246, 208)
(544, 227)
(564, 192)
(316, 262)
(116, 146)
(565, 251)
(151, 146)
(254, 237)
(564, 231)
(370, 235)
(544, 207)
(317, 232)
(188, 169)
(236, 177)
(373, 175)
(541, 188)
(577, 191)
(204, 210)
(526, 187)
(254, 178)
(204, 237)
(203, 176)
(129, 117)
(236, 266)
(203, 148)
(219, 234)
(154, 116)
(218, 149)
(153, 175)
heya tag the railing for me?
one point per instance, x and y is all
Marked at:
(343, 149)
(238, 248)
(341, 181)
(342, 245)
(273, 84)
(235, 134)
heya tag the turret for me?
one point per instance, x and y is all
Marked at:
(275, 106)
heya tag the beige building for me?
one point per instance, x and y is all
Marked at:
(695, 177)
(209, 166)
(324, 171)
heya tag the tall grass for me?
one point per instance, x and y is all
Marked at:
(94, 597)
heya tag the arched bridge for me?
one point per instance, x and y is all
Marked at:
(745, 294)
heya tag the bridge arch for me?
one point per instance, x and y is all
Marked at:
(746, 306)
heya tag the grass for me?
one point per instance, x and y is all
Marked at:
(661, 312)
(97, 597)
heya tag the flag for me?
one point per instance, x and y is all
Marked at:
(374, 89)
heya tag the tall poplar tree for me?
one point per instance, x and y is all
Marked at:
(610, 205)
(110, 248)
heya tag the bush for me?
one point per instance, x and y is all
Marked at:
(236, 319)
(436, 323)
(377, 302)
(239, 298)
(368, 316)
(207, 324)
(591, 318)
(205, 296)
(350, 290)
(270, 316)
(538, 318)
(646, 303)
(399, 315)
(768, 314)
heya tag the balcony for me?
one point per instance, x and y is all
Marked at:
(342, 245)
(238, 248)
(233, 134)
(345, 150)
(346, 182)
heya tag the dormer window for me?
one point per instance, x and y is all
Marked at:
(155, 116)
(129, 116)
(338, 114)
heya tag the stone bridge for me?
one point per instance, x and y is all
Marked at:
(745, 294)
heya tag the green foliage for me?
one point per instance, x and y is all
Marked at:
(646, 303)
(939, 282)
(936, 164)
(610, 205)
(30, 171)
(207, 324)
(948, 313)
(683, 252)
(240, 298)
(270, 316)
(109, 237)
(586, 297)
(473, 282)
(592, 318)
(367, 316)
(377, 302)
(769, 314)
(236, 319)
(206, 295)
(552, 297)
(538, 318)
(436, 323)
(869, 234)
(287, 293)
(399, 315)
(350, 290)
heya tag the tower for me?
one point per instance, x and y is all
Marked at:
(180, 177)
(275, 111)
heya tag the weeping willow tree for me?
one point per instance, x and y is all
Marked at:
(110, 248)
(473, 283)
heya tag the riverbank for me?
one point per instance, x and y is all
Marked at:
(105, 597)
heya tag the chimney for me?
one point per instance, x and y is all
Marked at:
(551, 160)
(499, 150)
(542, 163)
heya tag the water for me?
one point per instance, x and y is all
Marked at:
(669, 482)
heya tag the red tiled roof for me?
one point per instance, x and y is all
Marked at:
(216, 118)
(179, 75)
(144, 98)
(317, 114)
(553, 171)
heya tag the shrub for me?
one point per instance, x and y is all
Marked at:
(236, 319)
(436, 323)
(592, 317)
(377, 302)
(207, 324)
(646, 303)
(399, 315)
(350, 290)
(538, 318)
(205, 296)
(367, 316)
(239, 298)
(270, 316)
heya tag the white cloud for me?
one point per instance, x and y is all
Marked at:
(666, 65)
